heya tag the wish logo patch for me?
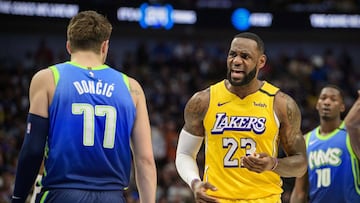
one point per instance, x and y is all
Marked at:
(260, 104)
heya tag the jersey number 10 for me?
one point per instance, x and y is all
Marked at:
(323, 177)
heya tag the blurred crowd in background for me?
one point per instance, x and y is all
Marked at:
(170, 73)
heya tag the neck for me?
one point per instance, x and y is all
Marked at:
(243, 91)
(87, 59)
(328, 126)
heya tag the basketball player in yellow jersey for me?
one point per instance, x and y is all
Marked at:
(242, 120)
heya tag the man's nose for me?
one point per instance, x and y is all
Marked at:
(327, 101)
(238, 60)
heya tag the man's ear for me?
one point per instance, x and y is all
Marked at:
(342, 108)
(317, 106)
(68, 47)
(105, 46)
(262, 61)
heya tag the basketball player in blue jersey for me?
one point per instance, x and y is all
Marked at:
(242, 120)
(333, 153)
(89, 122)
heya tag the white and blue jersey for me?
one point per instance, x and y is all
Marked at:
(333, 167)
(91, 119)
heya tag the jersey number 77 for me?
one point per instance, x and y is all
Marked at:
(89, 112)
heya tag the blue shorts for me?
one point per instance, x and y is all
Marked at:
(79, 196)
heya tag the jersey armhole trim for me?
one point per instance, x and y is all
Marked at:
(354, 165)
(307, 137)
(126, 80)
(55, 73)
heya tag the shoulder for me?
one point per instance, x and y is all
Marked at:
(136, 91)
(285, 106)
(199, 101)
(135, 87)
(195, 111)
(43, 78)
(308, 135)
(43, 74)
(134, 84)
(269, 88)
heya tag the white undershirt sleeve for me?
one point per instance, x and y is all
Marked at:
(186, 153)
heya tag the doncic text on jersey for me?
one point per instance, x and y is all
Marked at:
(91, 87)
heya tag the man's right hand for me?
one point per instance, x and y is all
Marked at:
(199, 189)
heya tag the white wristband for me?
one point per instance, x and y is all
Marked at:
(187, 150)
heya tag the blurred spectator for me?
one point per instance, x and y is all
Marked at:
(6, 187)
(43, 55)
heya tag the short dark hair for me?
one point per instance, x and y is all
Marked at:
(253, 36)
(341, 92)
(88, 30)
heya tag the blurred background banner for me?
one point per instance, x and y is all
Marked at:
(226, 15)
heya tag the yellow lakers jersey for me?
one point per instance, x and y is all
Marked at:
(235, 128)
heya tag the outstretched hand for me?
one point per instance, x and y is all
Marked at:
(352, 119)
(199, 189)
(352, 123)
(258, 162)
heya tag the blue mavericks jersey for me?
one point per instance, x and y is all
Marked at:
(91, 119)
(333, 167)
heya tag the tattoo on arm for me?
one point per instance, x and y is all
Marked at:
(135, 91)
(292, 111)
(293, 120)
(195, 111)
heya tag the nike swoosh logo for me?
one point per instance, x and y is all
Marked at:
(15, 197)
(220, 104)
(312, 142)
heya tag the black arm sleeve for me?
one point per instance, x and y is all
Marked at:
(31, 156)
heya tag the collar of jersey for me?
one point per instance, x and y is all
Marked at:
(93, 68)
(331, 134)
